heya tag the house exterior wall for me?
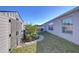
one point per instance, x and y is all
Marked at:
(4, 34)
(57, 27)
(13, 34)
(19, 29)
(6, 28)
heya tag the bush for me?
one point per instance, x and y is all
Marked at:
(31, 32)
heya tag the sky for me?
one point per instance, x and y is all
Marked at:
(37, 14)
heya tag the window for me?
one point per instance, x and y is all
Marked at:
(41, 29)
(67, 26)
(50, 26)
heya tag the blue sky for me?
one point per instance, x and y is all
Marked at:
(38, 14)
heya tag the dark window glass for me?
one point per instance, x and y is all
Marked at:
(50, 26)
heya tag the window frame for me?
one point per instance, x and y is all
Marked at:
(64, 28)
(50, 27)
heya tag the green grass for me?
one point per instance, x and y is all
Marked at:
(25, 49)
(55, 44)
(50, 44)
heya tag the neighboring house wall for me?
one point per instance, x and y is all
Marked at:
(13, 34)
(4, 34)
(10, 23)
(58, 24)
(19, 30)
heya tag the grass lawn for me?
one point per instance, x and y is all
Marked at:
(25, 49)
(50, 44)
(55, 44)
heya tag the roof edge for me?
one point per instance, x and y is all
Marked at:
(64, 14)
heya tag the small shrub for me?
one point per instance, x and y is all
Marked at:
(31, 32)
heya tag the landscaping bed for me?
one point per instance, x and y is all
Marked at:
(27, 47)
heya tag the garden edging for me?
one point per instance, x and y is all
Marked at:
(40, 39)
(32, 42)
